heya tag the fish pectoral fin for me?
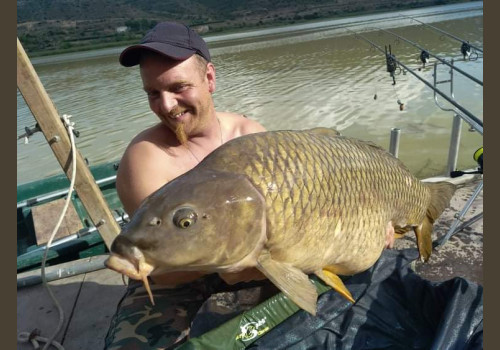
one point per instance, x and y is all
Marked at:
(424, 239)
(335, 282)
(291, 281)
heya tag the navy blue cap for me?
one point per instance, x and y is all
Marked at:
(174, 40)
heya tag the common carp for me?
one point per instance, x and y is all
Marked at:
(289, 203)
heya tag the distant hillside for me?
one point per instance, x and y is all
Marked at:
(51, 26)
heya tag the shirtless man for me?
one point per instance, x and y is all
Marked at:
(179, 80)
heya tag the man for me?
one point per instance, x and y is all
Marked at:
(179, 80)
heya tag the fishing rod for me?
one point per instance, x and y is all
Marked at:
(390, 58)
(391, 61)
(424, 53)
(465, 44)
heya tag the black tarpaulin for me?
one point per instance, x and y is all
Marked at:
(395, 309)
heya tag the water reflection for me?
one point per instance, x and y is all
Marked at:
(290, 84)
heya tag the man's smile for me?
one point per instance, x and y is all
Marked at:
(177, 115)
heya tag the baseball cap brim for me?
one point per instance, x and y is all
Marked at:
(131, 56)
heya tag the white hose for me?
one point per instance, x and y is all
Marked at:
(25, 336)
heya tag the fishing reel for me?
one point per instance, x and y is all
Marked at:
(478, 157)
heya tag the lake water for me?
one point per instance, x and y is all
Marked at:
(293, 77)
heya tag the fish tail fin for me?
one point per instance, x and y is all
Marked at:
(441, 193)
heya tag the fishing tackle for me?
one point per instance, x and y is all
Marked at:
(425, 54)
(447, 34)
(468, 51)
(391, 63)
(424, 57)
(478, 157)
(465, 49)
(29, 132)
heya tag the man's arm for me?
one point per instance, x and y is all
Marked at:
(143, 169)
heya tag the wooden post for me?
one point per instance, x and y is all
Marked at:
(50, 123)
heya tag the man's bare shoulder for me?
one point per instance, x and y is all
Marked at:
(238, 124)
(148, 163)
(157, 135)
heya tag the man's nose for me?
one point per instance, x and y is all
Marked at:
(168, 102)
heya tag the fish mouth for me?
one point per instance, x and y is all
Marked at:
(137, 269)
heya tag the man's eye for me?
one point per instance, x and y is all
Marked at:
(152, 94)
(179, 88)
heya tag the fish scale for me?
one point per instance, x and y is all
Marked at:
(289, 203)
(282, 217)
(347, 155)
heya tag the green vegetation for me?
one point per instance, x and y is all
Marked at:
(47, 27)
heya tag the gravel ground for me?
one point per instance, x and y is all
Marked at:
(462, 254)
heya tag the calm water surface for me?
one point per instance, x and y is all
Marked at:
(293, 80)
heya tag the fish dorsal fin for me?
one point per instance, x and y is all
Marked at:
(291, 281)
(325, 131)
(373, 145)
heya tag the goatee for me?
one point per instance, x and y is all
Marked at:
(180, 133)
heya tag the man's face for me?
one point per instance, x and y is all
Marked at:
(179, 93)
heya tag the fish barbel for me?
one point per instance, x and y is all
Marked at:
(289, 203)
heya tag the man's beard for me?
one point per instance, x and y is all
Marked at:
(180, 133)
(197, 122)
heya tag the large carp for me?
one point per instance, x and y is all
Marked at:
(289, 203)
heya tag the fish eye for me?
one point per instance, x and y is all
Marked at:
(185, 217)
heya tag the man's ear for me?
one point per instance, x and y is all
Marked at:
(210, 75)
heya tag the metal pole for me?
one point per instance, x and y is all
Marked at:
(476, 123)
(456, 132)
(445, 33)
(57, 272)
(471, 119)
(436, 57)
(394, 144)
(61, 193)
(459, 217)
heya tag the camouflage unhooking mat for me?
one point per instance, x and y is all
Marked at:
(394, 309)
